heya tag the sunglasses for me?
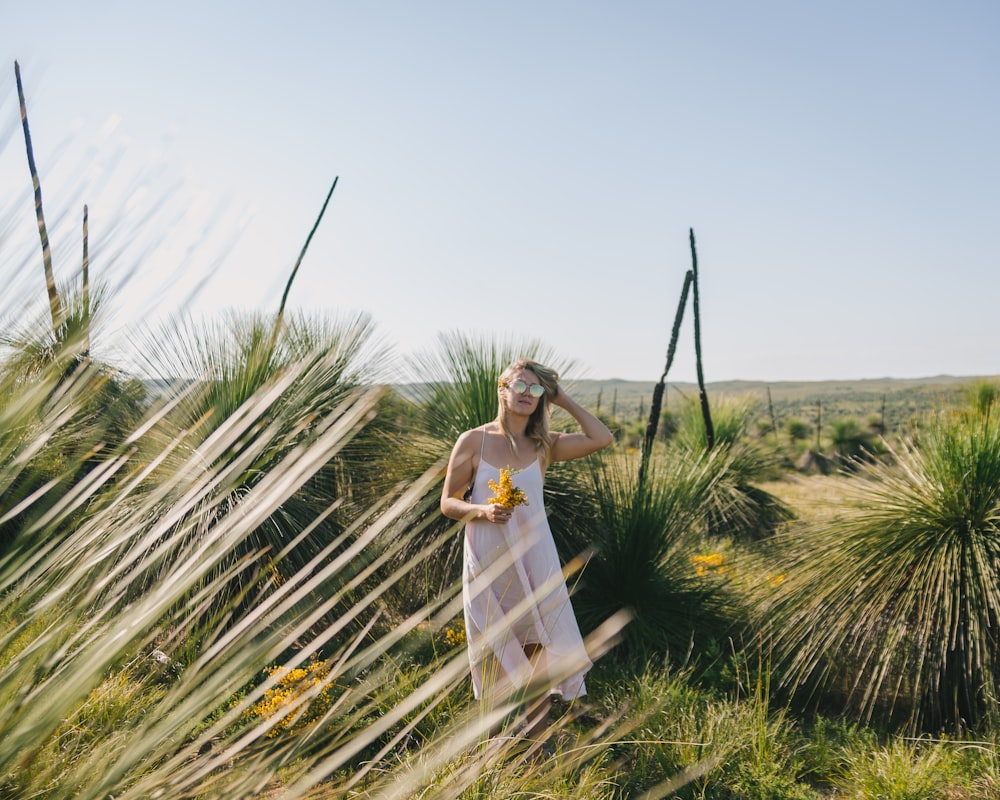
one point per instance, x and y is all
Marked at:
(520, 387)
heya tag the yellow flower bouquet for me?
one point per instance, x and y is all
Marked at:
(506, 493)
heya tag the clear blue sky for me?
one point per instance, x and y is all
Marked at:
(532, 169)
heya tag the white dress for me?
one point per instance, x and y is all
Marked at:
(514, 594)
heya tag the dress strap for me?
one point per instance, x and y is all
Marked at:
(482, 449)
(475, 472)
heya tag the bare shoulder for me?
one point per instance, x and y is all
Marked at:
(469, 441)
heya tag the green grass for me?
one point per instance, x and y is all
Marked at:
(143, 541)
(396, 717)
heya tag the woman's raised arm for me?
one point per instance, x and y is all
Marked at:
(594, 434)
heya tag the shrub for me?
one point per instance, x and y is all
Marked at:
(643, 535)
(896, 601)
(902, 770)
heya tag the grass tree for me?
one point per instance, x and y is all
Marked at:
(983, 394)
(456, 382)
(852, 443)
(41, 372)
(895, 603)
(738, 508)
(731, 421)
(52, 356)
(644, 537)
(221, 365)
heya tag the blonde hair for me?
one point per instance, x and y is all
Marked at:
(537, 428)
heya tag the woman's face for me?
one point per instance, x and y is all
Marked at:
(517, 402)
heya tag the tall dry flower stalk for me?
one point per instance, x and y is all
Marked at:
(702, 394)
(55, 302)
(657, 403)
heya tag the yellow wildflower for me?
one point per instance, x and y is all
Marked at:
(290, 690)
(454, 635)
(506, 493)
(712, 564)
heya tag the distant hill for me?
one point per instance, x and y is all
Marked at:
(898, 398)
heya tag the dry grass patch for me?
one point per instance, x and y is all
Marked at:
(813, 498)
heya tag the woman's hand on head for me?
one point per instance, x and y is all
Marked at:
(593, 436)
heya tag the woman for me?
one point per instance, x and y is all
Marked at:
(518, 619)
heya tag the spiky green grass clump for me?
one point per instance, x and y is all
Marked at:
(456, 383)
(643, 537)
(895, 602)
